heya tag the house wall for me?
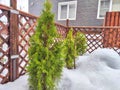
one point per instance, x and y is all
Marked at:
(36, 6)
(86, 11)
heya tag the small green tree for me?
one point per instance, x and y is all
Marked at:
(80, 43)
(75, 45)
(45, 53)
(70, 49)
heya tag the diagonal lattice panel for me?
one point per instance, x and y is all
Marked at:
(26, 30)
(4, 47)
(93, 35)
(94, 41)
(62, 30)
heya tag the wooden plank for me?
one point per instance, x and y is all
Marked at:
(107, 18)
(111, 35)
(117, 19)
(13, 46)
(111, 21)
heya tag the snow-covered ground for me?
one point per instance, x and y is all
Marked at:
(99, 70)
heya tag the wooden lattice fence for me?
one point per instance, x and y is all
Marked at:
(17, 27)
(27, 25)
(97, 36)
(93, 35)
(4, 45)
(100, 37)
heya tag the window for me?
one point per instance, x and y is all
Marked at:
(67, 10)
(103, 7)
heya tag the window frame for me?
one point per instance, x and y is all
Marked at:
(99, 7)
(68, 4)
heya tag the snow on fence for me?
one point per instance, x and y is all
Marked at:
(16, 27)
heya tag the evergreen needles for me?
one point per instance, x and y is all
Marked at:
(45, 53)
(75, 45)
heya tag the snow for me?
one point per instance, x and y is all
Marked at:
(99, 70)
(19, 84)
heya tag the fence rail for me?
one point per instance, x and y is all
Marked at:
(16, 31)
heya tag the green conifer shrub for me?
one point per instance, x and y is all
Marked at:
(45, 53)
(80, 43)
(70, 49)
(75, 45)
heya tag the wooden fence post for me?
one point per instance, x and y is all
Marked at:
(67, 25)
(13, 41)
(67, 22)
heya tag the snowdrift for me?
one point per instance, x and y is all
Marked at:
(99, 70)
